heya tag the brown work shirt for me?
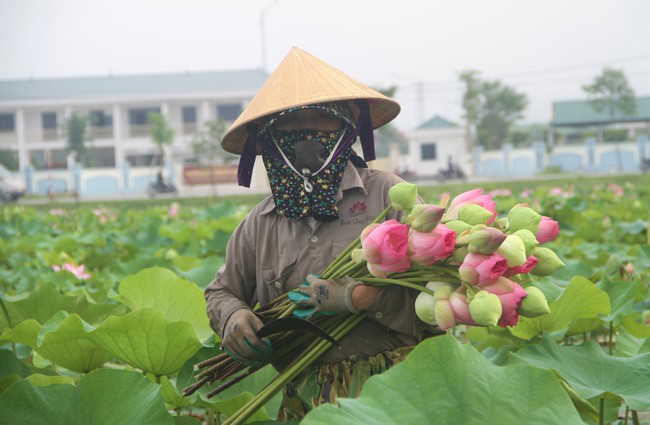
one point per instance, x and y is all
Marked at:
(269, 255)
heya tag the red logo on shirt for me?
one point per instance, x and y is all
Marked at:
(357, 209)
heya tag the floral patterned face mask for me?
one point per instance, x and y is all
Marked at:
(307, 192)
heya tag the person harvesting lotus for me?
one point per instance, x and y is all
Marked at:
(303, 122)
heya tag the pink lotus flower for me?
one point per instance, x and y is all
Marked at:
(481, 270)
(385, 247)
(510, 294)
(427, 248)
(174, 209)
(548, 230)
(475, 197)
(530, 264)
(78, 271)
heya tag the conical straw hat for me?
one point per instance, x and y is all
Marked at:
(303, 79)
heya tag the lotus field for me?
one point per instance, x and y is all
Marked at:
(102, 321)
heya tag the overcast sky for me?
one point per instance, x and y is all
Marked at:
(546, 49)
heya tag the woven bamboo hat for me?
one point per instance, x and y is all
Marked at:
(303, 79)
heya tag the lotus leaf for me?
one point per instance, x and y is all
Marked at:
(445, 382)
(580, 300)
(162, 290)
(103, 397)
(591, 372)
(147, 340)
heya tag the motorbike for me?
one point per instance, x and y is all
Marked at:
(645, 165)
(450, 173)
(157, 188)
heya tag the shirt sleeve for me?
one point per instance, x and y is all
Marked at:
(234, 286)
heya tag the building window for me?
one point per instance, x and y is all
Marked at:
(7, 123)
(140, 116)
(100, 119)
(49, 125)
(138, 121)
(189, 119)
(100, 157)
(228, 112)
(49, 159)
(428, 151)
(101, 124)
(189, 114)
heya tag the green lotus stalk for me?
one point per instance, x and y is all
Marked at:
(374, 280)
(310, 355)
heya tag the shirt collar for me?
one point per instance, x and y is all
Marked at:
(351, 180)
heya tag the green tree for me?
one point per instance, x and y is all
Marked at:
(490, 106)
(75, 130)
(610, 92)
(161, 134)
(206, 145)
(470, 103)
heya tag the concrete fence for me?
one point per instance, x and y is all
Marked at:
(587, 157)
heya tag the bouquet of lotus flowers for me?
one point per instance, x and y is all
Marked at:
(470, 266)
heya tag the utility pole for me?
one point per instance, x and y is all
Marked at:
(263, 13)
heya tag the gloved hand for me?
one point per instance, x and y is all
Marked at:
(240, 340)
(318, 297)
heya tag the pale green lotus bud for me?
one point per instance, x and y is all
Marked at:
(534, 304)
(485, 308)
(486, 241)
(474, 214)
(424, 308)
(549, 262)
(424, 217)
(530, 241)
(462, 239)
(523, 218)
(403, 195)
(459, 253)
(357, 255)
(513, 250)
(458, 226)
(425, 303)
(501, 223)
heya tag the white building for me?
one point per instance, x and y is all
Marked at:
(33, 111)
(432, 145)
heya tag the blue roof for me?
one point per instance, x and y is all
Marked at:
(437, 122)
(189, 82)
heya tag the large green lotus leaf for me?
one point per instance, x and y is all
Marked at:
(26, 332)
(181, 233)
(629, 345)
(45, 301)
(184, 262)
(635, 328)
(40, 380)
(592, 372)
(10, 364)
(204, 273)
(103, 397)
(161, 289)
(11, 369)
(65, 341)
(147, 340)
(580, 300)
(445, 382)
(623, 295)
